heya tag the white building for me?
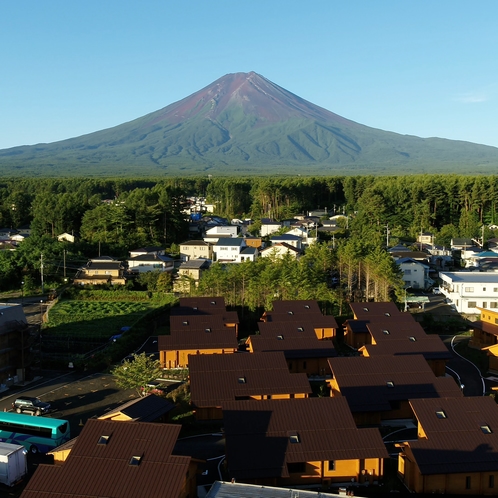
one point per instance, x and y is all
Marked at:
(234, 250)
(469, 291)
(415, 274)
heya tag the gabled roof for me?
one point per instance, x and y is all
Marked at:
(209, 305)
(95, 469)
(196, 264)
(365, 311)
(462, 435)
(285, 237)
(230, 241)
(263, 436)
(196, 243)
(218, 378)
(146, 409)
(150, 257)
(371, 384)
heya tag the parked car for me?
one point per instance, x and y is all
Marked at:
(35, 406)
(436, 290)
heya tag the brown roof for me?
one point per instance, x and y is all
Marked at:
(209, 337)
(371, 384)
(258, 435)
(188, 322)
(218, 378)
(457, 437)
(487, 327)
(206, 304)
(307, 307)
(146, 409)
(98, 470)
(365, 311)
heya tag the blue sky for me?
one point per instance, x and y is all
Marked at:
(425, 68)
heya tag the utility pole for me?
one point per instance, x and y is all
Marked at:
(64, 253)
(41, 271)
(387, 235)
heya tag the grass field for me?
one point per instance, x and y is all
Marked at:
(97, 320)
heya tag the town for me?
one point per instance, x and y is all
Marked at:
(317, 363)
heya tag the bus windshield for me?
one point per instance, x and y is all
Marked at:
(36, 434)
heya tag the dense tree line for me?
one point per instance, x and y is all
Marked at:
(142, 212)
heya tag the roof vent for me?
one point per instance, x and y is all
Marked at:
(242, 380)
(412, 338)
(300, 329)
(365, 309)
(387, 313)
(207, 330)
(390, 383)
(280, 337)
(185, 322)
(386, 332)
(294, 438)
(440, 414)
(213, 302)
(290, 312)
(486, 429)
(307, 306)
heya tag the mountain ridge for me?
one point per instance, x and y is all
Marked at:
(243, 123)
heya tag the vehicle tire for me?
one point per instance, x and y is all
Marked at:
(38, 413)
(18, 410)
(33, 449)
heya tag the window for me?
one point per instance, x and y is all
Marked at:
(304, 365)
(484, 289)
(493, 305)
(104, 439)
(467, 482)
(469, 289)
(491, 483)
(484, 304)
(495, 289)
(408, 272)
(472, 304)
(294, 438)
(331, 465)
(440, 414)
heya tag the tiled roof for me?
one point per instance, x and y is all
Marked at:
(365, 311)
(210, 337)
(487, 327)
(188, 322)
(205, 304)
(370, 384)
(457, 436)
(293, 346)
(258, 435)
(218, 378)
(98, 470)
(146, 409)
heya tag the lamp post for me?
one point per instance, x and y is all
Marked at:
(22, 293)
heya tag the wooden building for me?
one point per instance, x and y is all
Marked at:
(119, 459)
(379, 388)
(302, 442)
(456, 450)
(215, 379)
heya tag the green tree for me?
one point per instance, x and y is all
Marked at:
(137, 373)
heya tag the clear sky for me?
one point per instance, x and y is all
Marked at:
(420, 67)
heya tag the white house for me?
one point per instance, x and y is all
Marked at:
(292, 240)
(229, 250)
(279, 250)
(469, 291)
(150, 262)
(217, 232)
(269, 226)
(415, 274)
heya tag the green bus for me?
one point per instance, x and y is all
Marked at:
(36, 434)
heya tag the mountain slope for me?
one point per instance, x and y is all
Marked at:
(245, 124)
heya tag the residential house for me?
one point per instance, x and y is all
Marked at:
(414, 274)
(470, 291)
(325, 326)
(462, 244)
(142, 251)
(233, 250)
(218, 232)
(196, 249)
(302, 442)
(101, 270)
(150, 408)
(378, 389)
(292, 240)
(190, 273)
(269, 226)
(215, 379)
(204, 327)
(67, 237)
(304, 352)
(485, 330)
(150, 262)
(425, 238)
(119, 459)
(279, 250)
(255, 242)
(456, 449)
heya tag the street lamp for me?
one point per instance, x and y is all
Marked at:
(22, 293)
(41, 311)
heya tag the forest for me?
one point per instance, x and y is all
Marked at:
(112, 216)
